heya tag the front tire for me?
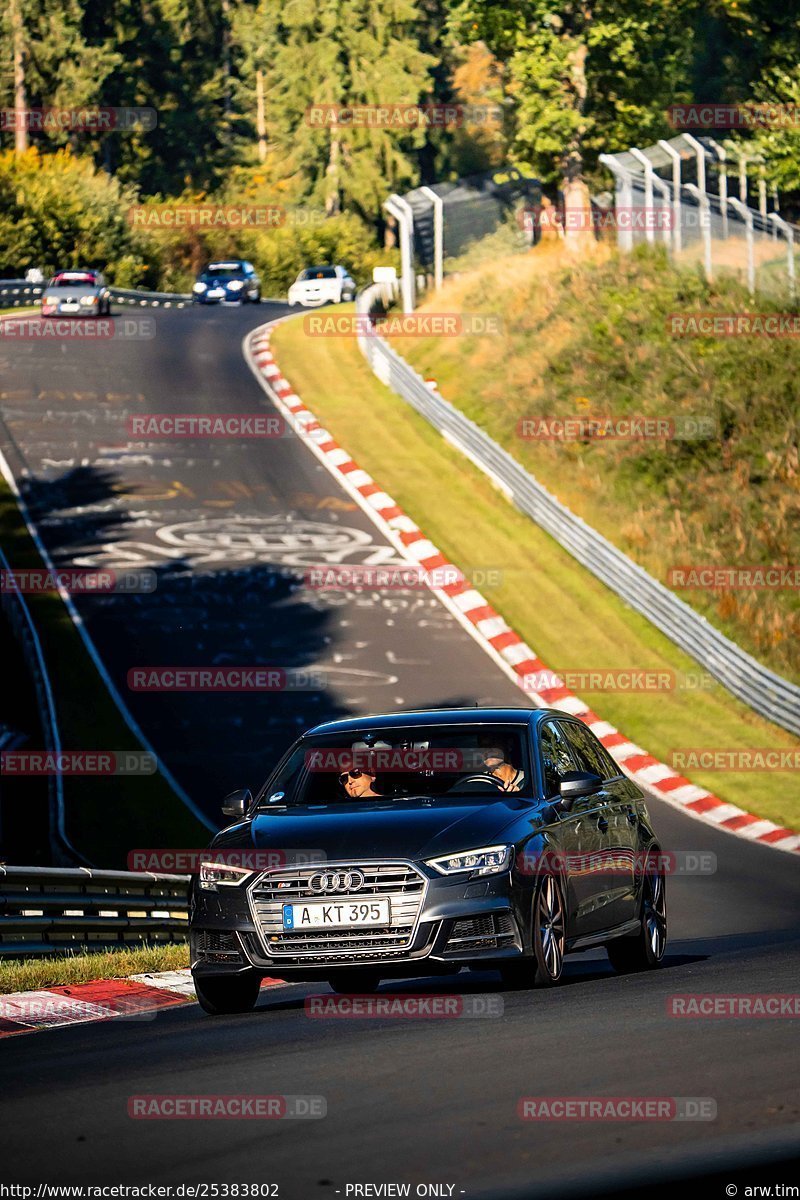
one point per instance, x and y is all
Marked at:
(644, 951)
(220, 994)
(549, 926)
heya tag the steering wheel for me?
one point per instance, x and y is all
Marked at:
(478, 782)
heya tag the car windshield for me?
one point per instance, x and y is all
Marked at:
(224, 270)
(316, 273)
(73, 279)
(395, 763)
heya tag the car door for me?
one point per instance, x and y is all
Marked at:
(556, 761)
(609, 834)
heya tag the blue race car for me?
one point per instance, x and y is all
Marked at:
(231, 282)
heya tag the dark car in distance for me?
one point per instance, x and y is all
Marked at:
(233, 281)
(422, 842)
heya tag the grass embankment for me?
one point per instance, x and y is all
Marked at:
(106, 816)
(30, 974)
(569, 618)
(594, 340)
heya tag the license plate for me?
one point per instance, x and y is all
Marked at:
(336, 914)
(70, 308)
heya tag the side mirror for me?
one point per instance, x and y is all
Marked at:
(237, 803)
(575, 784)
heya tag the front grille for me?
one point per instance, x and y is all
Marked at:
(208, 945)
(401, 883)
(493, 931)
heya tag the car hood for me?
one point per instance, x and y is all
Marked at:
(216, 281)
(413, 828)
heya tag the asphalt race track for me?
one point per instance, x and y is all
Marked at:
(230, 527)
(430, 1101)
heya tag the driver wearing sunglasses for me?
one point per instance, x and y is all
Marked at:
(358, 784)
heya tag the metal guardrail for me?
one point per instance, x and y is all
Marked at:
(763, 690)
(54, 910)
(17, 292)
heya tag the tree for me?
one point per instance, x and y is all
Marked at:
(319, 56)
(585, 75)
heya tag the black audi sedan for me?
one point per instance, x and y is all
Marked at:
(423, 842)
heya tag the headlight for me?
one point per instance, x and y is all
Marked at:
(236, 285)
(490, 860)
(88, 301)
(214, 875)
(200, 287)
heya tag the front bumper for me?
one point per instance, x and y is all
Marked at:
(456, 921)
(71, 310)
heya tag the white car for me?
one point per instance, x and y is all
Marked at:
(322, 285)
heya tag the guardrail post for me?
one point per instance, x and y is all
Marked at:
(648, 191)
(747, 216)
(438, 234)
(705, 225)
(723, 182)
(779, 223)
(400, 209)
(676, 194)
(624, 196)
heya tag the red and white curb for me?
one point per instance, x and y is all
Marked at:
(139, 997)
(487, 626)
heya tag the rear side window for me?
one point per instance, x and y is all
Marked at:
(555, 755)
(589, 754)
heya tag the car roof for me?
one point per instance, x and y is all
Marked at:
(436, 716)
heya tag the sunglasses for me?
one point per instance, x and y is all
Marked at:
(345, 775)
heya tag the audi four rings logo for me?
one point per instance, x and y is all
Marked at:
(337, 881)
